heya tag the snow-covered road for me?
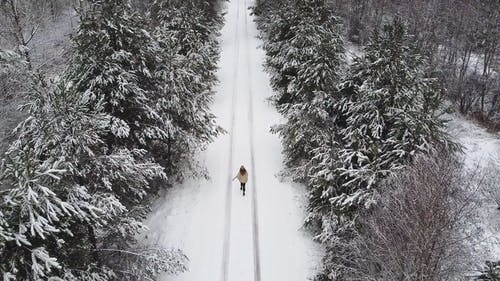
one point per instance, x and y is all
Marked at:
(228, 236)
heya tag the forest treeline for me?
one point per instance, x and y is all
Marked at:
(388, 196)
(101, 139)
(460, 38)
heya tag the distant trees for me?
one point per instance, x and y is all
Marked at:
(100, 141)
(20, 21)
(461, 39)
(7, 59)
(13, 86)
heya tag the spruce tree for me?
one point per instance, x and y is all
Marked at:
(390, 108)
(114, 63)
(305, 69)
(188, 51)
(72, 203)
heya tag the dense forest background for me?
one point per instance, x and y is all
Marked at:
(459, 38)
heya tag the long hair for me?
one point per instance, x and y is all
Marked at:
(243, 171)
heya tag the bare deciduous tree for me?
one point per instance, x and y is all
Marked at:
(21, 24)
(421, 228)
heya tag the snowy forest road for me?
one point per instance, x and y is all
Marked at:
(255, 220)
(228, 236)
(227, 221)
(255, 214)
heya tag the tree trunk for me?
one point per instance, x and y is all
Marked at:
(93, 244)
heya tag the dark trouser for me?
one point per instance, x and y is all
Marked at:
(243, 187)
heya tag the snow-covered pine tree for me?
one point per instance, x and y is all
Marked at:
(69, 199)
(389, 108)
(121, 73)
(343, 139)
(305, 59)
(39, 206)
(277, 23)
(188, 49)
(114, 62)
(86, 151)
(191, 23)
(314, 53)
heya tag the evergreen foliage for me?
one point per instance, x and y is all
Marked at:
(305, 61)
(126, 117)
(346, 131)
(389, 108)
(305, 50)
(186, 34)
(65, 187)
(115, 59)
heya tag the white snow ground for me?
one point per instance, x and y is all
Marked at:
(481, 150)
(225, 235)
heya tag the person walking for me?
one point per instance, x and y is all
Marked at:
(242, 176)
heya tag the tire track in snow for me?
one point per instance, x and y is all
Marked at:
(227, 224)
(255, 214)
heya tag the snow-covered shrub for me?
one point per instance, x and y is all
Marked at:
(145, 263)
(420, 228)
